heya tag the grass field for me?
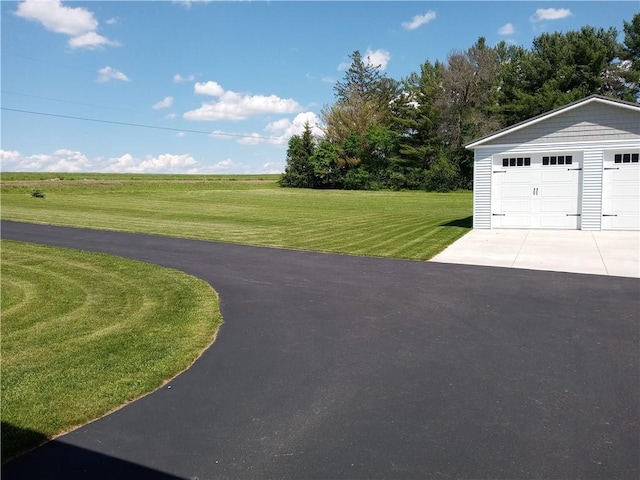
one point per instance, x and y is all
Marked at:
(244, 209)
(84, 333)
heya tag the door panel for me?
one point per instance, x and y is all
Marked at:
(536, 195)
(621, 191)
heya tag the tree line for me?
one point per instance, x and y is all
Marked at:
(383, 133)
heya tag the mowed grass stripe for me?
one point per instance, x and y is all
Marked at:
(84, 333)
(388, 224)
(396, 242)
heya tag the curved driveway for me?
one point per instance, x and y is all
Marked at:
(336, 367)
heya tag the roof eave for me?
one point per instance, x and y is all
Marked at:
(552, 113)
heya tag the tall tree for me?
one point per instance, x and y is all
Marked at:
(470, 87)
(559, 69)
(361, 80)
(629, 67)
(299, 171)
(362, 104)
(418, 118)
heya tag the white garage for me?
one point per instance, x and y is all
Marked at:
(573, 168)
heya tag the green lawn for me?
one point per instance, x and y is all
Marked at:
(83, 333)
(244, 209)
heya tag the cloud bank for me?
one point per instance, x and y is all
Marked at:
(70, 161)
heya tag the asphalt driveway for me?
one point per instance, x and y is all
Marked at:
(341, 367)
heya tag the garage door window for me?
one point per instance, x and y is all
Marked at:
(516, 162)
(625, 158)
(557, 160)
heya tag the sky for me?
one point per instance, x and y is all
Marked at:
(215, 87)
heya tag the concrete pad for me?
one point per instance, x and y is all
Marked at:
(498, 248)
(575, 251)
(620, 252)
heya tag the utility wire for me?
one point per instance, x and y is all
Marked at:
(69, 101)
(139, 125)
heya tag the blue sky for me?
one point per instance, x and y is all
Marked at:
(226, 83)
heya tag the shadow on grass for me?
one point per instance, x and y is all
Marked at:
(461, 222)
(58, 460)
(16, 440)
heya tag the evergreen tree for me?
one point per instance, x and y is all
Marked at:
(418, 118)
(299, 171)
(381, 133)
(560, 68)
(629, 67)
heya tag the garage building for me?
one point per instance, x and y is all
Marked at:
(576, 167)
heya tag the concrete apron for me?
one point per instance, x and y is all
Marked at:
(576, 251)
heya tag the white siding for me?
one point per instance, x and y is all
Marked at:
(592, 188)
(482, 189)
(587, 123)
(587, 129)
(592, 154)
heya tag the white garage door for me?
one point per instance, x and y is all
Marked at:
(537, 191)
(621, 191)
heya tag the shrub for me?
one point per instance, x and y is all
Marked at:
(444, 176)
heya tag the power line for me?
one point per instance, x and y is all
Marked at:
(138, 125)
(72, 102)
(42, 60)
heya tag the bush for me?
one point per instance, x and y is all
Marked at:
(444, 176)
(355, 179)
(37, 193)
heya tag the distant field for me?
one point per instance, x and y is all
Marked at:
(248, 209)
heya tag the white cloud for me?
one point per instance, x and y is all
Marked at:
(58, 18)
(78, 23)
(209, 88)
(66, 160)
(550, 14)
(377, 58)
(251, 139)
(165, 163)
(63, 160)
(282, 130)
(166, 102)
(177, 78)
(507, 29)
(419, 20)
(91, 40)
(273, 167)
(9, 155)
(109, 73)
(371, 57)
(224, 165)
(277, 133)
(235, 106)
(122, 164)
(188, 3)
(343, 66)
